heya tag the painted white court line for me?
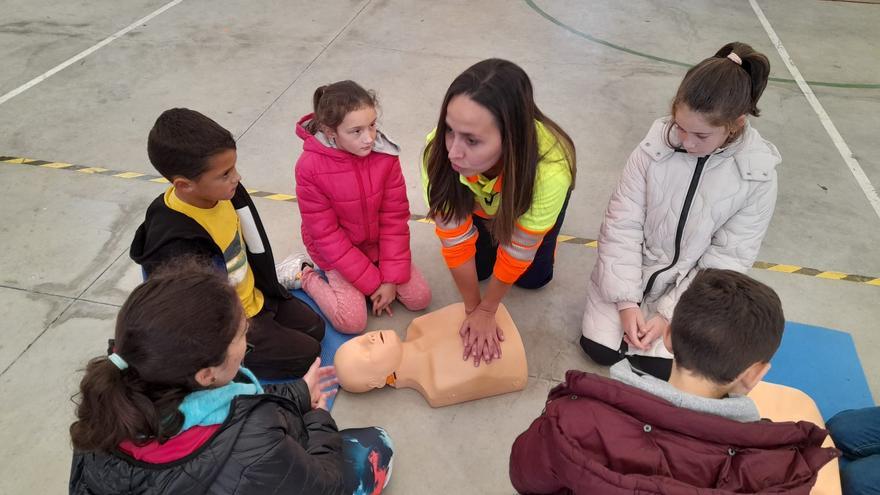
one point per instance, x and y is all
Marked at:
(841, 145)
(85, 53)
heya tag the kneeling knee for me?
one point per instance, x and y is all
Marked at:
(600, 354)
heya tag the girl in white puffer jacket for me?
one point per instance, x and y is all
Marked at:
(697, 192)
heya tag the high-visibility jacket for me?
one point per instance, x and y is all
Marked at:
(552, 184)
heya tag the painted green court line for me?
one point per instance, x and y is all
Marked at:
(655, 58)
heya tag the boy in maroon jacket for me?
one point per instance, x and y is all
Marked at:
(697, 432)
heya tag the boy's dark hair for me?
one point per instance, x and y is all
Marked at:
(182, 140)
(182, 319)
(724, 323)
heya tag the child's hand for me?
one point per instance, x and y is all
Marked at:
(633, 323)
(322, 401)
(383, 297)
(318, 379)
(654, 329)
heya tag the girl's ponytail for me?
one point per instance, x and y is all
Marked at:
(724, 87)
(756, 66)
(111, 408)
(312, 125)
(182, 319)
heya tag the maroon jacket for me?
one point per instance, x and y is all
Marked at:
(601, 436)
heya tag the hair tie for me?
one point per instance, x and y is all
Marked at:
(735, 58)
(117, 360)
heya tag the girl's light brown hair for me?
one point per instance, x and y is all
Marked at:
(333, 102)
(505, 90)
(722, 90)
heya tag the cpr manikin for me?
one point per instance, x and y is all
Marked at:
(429, 360)
(781, 403)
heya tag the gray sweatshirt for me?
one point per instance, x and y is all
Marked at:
(737, 408)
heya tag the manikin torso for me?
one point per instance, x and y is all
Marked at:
(430, 360)
(781, 403)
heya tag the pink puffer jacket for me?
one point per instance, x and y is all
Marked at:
(354, 210)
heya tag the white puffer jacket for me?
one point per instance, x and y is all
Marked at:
(721, 204)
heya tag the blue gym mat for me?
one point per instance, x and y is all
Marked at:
(824, 364)
(332, 340)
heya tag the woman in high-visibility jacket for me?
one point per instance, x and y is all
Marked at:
(497, 183)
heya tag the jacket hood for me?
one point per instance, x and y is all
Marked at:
(738, 408)
(755, 157)
(162, 226)
(657, 412)
(320, 143)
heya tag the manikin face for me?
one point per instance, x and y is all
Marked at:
(364, 362)
(357, 131)
(473, 141)
(697, 136)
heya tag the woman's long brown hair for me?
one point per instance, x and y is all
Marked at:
(505, 90)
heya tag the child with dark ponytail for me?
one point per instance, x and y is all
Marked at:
(698, 192)
(171, 409)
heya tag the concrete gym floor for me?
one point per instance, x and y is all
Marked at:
(597, 70)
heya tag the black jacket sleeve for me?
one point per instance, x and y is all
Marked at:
(318, 422)
(304, 454)
(297, 391)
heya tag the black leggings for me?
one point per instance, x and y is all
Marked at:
(539, 273)
(606, 356)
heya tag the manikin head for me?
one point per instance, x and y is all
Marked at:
(365, 362)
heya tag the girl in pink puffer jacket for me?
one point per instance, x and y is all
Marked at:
(352, 199)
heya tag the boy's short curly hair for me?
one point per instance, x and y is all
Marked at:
(725, 322)
(182, 140)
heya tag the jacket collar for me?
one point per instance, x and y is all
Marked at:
(487, 185)
(320, 143)
(652, 410)
(755, 157)
(211, 406)
(737, 408)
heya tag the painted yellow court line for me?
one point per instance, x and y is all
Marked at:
(562, 239)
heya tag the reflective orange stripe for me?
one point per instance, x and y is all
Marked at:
(497, 187)
(534, 232)
(454, 231)
(457, 255)
(480, 213)
(507, 268)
